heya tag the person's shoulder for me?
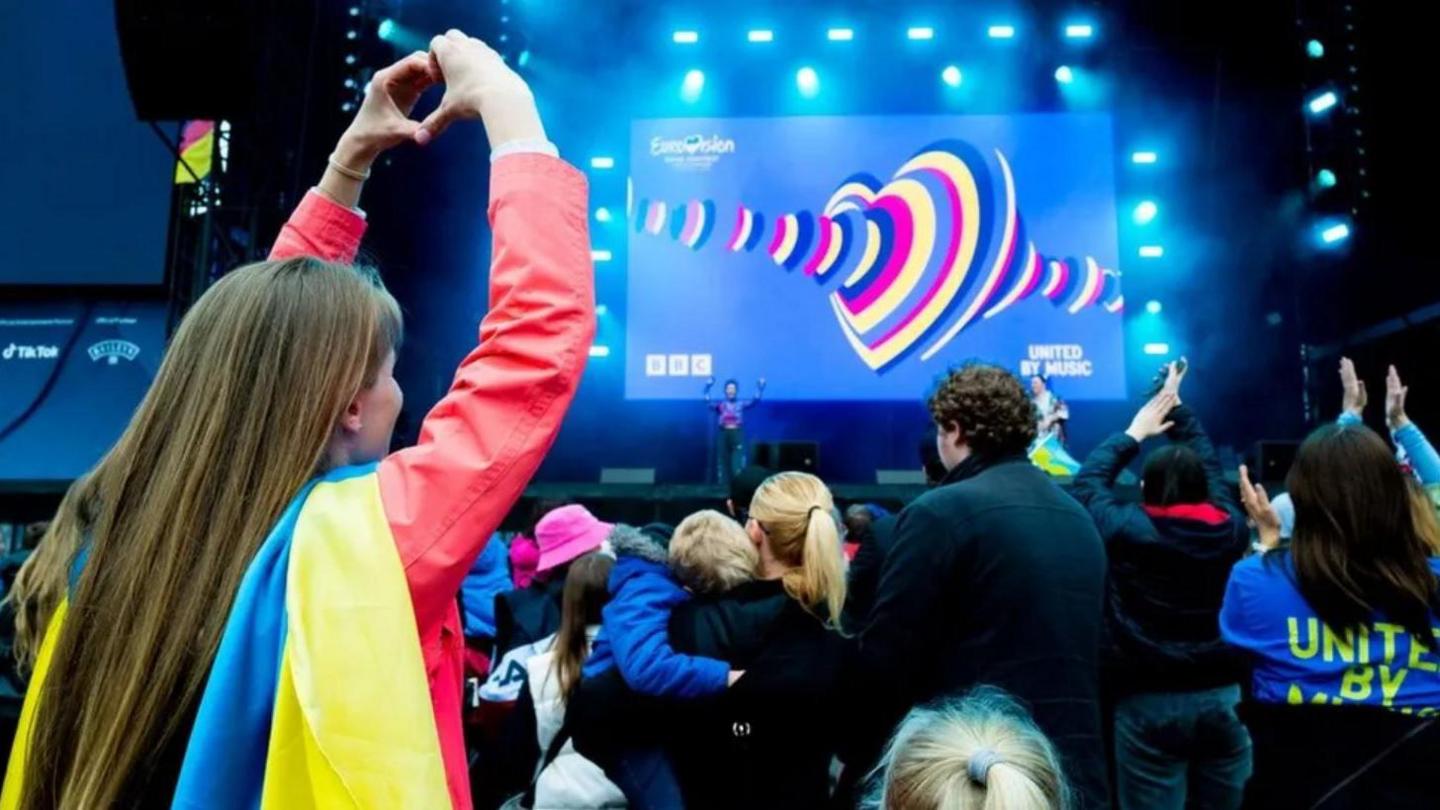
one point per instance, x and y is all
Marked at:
(1261, 572)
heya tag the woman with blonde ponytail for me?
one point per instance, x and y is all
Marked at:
(768, 741)
(250, 601)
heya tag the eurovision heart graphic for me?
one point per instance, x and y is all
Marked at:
(914, 261)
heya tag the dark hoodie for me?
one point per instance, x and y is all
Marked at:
(1168, 569)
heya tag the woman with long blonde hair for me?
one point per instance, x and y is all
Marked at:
(247, 602)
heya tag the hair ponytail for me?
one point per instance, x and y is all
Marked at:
(797, 513)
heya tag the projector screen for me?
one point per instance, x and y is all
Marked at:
(856, 258)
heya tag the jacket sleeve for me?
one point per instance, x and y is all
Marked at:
(1421, 453)
(1188, 431)
(322, 228)
(1094, 485)
(637, 621)
(897, 639)
(481, 443)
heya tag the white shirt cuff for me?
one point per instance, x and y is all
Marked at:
(538, 146)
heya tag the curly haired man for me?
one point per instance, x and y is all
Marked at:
(995, 577)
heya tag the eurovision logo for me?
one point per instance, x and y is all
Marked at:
(113, 351)
(693, 152)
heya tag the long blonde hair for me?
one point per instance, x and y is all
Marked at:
(796, 512)
(237, 419)
(981, 752)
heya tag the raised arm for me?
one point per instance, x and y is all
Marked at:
(1419, 451)
(1188, 431)
(482, 442)
(759, 392)
(1094, 484)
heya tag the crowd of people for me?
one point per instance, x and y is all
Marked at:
(250, 602)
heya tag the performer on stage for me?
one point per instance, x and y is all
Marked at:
(1051, 412)
(730, 438)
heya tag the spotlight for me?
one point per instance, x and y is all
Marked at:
(685, 37)
(760, 35)
(1325, 178)
(602, 214)
(1064, 74)
(354, 11)
(1151, 251)
(352, 34)
(840, 34)
(347, 107)
(1143, 157)
(1322, 102)
(692, 85)
(601, 309)
(1158, 349)
(951, 76)
(1079, 31)
(350, 83)
(350, 59)
(600, 255)
(1153, 307)
(807, 82)
(1145, 212)
(386, 30)
(1001, 32)
(1334, 233)
(920, 32)
(602, 162)
(1315, 49)
(524, 58)
(599, 351)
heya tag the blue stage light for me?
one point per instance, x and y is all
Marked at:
(1334, 233)
(1143, 157)
(840, 34)
(386, 29)
(951, 75)
(807, 82)
(599, 351)
(1079, 31)
(1145, 212)
(1153, 307)
(685, 37)
(920, 32)
(602, 214)
(693, 85)
(1322, 102)
(760, 35)
(524, 58)
(1158, 349)
(1001, 32)
(1325, 178)
(1151, 251)
(602, 310)
(1064, 74)
(600, 255)
(602, 162)
(1315, 49)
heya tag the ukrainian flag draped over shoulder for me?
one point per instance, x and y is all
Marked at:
(318, 696)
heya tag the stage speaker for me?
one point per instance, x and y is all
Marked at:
(186, 59)
(787, 456)
(1273, 459)
(900, 477)
(627, 475)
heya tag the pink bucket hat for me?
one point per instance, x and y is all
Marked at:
(567, 533)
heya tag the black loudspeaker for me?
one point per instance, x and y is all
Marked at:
(788, 456)
(1273, 459)
(188, 59)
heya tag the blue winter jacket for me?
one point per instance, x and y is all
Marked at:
(634, 632)
(488, 577)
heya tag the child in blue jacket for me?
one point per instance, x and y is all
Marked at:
(709, 553)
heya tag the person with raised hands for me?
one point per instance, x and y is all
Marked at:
(1169, 558)
(248, 602)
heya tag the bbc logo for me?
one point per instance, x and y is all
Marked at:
(678, 365)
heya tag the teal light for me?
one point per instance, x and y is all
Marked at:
(951, 76)
(1325, 178)
(1145, 212)
(386, 29)
(1315, 48)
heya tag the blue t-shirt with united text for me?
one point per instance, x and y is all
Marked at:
(1299, 659)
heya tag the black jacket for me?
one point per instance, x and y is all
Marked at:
(864, 575)
(1168, 569)
(768, 741)
(997, 577)
(526, 615)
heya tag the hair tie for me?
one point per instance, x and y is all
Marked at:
(980, 764)
(812, 511)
